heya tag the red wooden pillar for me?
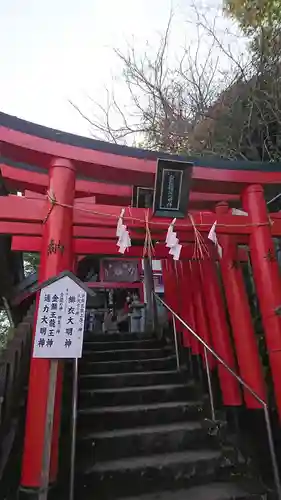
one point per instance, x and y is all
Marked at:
(171, 277)
(177, 276)
(167, 284)
(141, 288)
(267, 279)
(56, 256)
(186, 313)
(170, 285)
(194, 343)
(202, 325)
(220, 333)
(240, 318)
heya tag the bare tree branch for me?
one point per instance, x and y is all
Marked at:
(214, 100)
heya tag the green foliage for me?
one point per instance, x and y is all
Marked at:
(4, 328)
(250, 127)
(261, 21)
(31, 262)
(255, 14)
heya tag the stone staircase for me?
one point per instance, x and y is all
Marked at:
(140, 434)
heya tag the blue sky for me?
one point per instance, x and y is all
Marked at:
(55, 50)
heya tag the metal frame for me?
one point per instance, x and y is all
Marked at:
(241, 381)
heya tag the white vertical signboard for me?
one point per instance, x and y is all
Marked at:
(60, 320)
(59, 335)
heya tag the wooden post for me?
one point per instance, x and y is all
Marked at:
(56, 256)
(267, 279)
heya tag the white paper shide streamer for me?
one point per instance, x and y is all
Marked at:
(213, 237)
(124, 240)
(237, 211)
(172, 242)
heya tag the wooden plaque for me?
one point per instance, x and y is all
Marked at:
(172, 187)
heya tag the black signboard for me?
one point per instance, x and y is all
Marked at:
(142, 197)
(120, 271)
(172, 186)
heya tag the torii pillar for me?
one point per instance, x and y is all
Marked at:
(220, 333)
(56, 256)
(240, 318)
(267, 279)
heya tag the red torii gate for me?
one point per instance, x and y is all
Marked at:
(57, 162)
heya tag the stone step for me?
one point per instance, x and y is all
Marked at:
(136, 395)
(133, 379)
(121, 417)
(117, 336)
(145, 474)
(124, 354)
(127, 365)
(139, 430)
(122, 443)
(122, 344)
(211, 491)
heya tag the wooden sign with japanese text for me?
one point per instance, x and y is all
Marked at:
(172, 186)
(119, 270)
(60, 321)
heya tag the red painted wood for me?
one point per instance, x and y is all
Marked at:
(230, 181)
(106, 194)
(267, 280)
(105, 247)
(169, 286)
(33, 194)
(241, 322)
(220, 333)
(240, 318)
(182, 295)
(174, 267)
(21, 180)
(115, 285)
(201, 319)
(86, 199)
(199, 201)
(16, 208)
(196, 347)
(91, 187)
(242, 326)
(59, 228)
(111, 168)
(187, 309)
(34, 229)
(103, 166)
(20, 228)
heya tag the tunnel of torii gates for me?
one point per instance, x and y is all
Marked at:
(73, 190)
